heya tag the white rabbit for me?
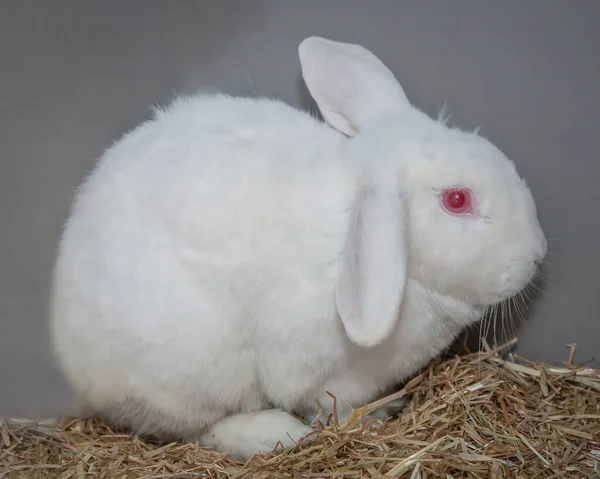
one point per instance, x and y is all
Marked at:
(233, 259)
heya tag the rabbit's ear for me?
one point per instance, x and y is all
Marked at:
(351, 86)
(374, 266)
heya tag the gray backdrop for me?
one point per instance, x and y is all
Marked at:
(75, 75)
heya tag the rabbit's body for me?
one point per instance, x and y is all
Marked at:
(171, 286)
(177, 238)
(207, 278)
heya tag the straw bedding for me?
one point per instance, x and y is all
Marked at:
(475, 416)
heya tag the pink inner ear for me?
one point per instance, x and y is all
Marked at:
(356, 278)
(358, 224)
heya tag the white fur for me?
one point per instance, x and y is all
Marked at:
(213, 277)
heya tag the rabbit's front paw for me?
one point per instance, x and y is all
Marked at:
(260, 432)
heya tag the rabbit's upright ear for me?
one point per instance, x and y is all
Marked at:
(351, 86)
(374, 266)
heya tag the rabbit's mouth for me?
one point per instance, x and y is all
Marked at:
(515, 277)
(510, 294)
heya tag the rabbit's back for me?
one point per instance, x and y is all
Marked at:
(186, 251)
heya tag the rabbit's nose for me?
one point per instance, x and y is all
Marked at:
(544, 248)
(540, 247)
(539, 253)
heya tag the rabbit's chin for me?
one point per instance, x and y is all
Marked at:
(502, 297)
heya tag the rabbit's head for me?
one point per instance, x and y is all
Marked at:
(438, 205)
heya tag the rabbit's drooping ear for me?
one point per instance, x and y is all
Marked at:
(351, 86)
(374, 266)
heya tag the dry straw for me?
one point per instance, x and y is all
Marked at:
(475, 416)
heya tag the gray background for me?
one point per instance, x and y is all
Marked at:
(75, 75)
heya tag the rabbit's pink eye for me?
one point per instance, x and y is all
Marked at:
(457, 200)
